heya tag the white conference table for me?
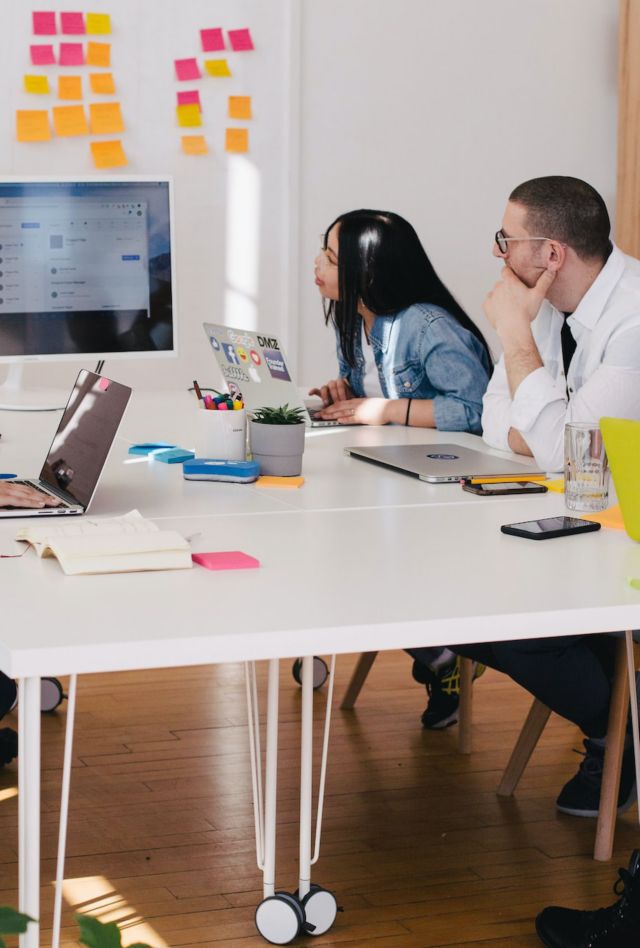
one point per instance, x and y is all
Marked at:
(359, 559)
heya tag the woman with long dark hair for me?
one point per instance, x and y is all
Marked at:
(407, 352)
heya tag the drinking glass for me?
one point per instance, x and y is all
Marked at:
(586, 468)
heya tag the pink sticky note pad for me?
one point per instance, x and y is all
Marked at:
(72, 24)
(212, 40)
(190, 98)
(71, 54)
(187, 69)
(230, 560)
(240, 40)
(42, 55)
(44, 23)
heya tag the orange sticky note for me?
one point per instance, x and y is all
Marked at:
(612, 517)
(194, 145)
(102, 83)
(32, 125)
(240, 107)
(99, 54)
(37, 85)
(98, 23)
(69, 87)
(267, 480)
(108, 154)
(236, 140)
(217, 67)
(69, 120)
(106, 118)
(189, 115)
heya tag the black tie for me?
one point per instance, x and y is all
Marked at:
(568, 344)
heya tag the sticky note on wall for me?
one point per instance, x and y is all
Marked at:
(212, 40)
(42, 55)
(99, 54)
(71, 54)
(37, 85)
(240, 40)
(32, 125)
(72, 24)
(217, 67)
(44, 23)
(69, 120)
(108, 154)
(240, 107)
(106, 118)
(237, 140)
(187, 69)
(189, 116)
(98, 23)
(102, 83)
(190, 97)
(194, 145)
(69, 87)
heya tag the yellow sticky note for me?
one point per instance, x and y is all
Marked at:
(39, 85)
(108, 154)
(69, 120)
(557, 485)
(268, 481)
(102, 83)
(240, 107)
(106, 118)
(98, 23)
(237, 140)
(69, 87)
(217, 67)
(32, 125)
(189, 115)
(194, 145)
(99, 54)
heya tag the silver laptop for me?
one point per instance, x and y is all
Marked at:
(80, 447)
(441, 463)
(254, 363)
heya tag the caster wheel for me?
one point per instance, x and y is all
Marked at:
(320, 908)
(280, 918)
(320, 671)
(51, 694)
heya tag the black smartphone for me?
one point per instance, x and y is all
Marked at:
(504, 487)
(549, 528)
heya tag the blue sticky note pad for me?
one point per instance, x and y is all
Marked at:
(173, 455)
(148, 447)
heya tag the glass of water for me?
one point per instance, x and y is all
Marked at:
(586, 469)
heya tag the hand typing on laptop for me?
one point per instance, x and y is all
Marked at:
(20, 495)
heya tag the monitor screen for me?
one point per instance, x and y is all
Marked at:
(86, 268)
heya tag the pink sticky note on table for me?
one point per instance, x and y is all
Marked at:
(72, 24)
(230, 560)
(190, 98)
(42, 55)
(187, 69)
(212, 40)
(240, 40)
(71, 54)
(44, 23)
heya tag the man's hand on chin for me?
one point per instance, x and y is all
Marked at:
(517, 443)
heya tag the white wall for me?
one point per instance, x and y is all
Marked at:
(436, 109)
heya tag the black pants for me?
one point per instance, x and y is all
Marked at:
(571, 674)
(7, 693)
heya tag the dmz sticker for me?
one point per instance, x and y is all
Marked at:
(443, 457)
(275, 364)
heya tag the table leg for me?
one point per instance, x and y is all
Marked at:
(271, 779)
(29, 807)
(64, 810)
(306, 776)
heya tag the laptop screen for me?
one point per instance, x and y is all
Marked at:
(85, 434)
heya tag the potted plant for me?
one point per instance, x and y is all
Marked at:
(277, 440)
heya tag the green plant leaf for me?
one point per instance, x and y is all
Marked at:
(12, 922)
(283, 415)
(96, 934)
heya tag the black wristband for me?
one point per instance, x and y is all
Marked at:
(406, 420)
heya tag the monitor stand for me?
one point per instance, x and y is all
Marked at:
(14, 397)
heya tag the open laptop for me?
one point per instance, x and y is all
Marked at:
(254, 363)
(441, 463)
(80, 447)
(622, 440)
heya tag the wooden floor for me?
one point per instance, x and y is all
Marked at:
(416, 845)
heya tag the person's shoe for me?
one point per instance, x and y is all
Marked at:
(581, 795)
(443, 689)
(8, 745)
(617, 926)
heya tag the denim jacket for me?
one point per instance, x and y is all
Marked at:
(423, 352)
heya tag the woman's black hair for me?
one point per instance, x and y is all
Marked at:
(383, 264)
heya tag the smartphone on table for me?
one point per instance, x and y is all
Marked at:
(549, 528)
(498, 488)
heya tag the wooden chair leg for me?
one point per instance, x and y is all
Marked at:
(466, 706)
(616, 731)
(527, 740)
(357, 680)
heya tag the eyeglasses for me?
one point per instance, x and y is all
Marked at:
(503, 241)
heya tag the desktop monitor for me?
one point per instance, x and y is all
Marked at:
(86, 269)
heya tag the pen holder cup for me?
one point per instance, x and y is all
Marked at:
(222, 434)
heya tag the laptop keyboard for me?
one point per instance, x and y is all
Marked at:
(34, 486)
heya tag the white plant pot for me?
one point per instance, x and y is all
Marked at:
(278, 448)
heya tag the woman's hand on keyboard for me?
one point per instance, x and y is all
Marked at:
(18, 495)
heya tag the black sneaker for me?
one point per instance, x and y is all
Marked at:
(443, 689)
(8, 745)
(617, 926)
(581, 795)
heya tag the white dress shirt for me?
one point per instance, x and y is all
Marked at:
(603, 378)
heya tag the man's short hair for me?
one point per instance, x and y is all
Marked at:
(568, 210)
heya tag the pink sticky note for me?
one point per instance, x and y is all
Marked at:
(190, 98)
(212, 40)
(240, 40)
(71, 54)
(44, 23)
(232, 560)
(187, 69)
(42, 55)
(72, 24)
